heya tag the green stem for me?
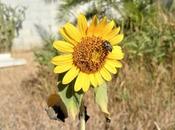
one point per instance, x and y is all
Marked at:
(82, 122)
(82, 117)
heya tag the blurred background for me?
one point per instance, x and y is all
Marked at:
(141, 95)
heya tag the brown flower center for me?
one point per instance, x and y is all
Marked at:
(89, 54)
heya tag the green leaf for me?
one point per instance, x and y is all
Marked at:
(101, 98)
(71, 99)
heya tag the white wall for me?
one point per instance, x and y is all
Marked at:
(37, 12)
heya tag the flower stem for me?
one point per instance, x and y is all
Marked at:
(82, 117)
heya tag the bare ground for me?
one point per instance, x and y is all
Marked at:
(138, 100)
(22, 108)
(19, 110)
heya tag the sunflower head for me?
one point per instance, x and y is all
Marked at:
(90, 53)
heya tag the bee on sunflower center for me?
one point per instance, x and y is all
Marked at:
(107, 46)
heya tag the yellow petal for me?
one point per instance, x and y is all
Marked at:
(117, 39)
(98, 78)
(62, 59)
(102, 23)
(63, 46)
(92, 26)
(67, 37)
(105, 74)
(82, 24)
(110, 67)
(86, 84)
(70, 75)
(79, 82)
(112, 34)
(100, 26)
(93, 80)
(116, 53)
(62, 68)
(57, 60)
(73, 32)
(107, 29)
(116, 63)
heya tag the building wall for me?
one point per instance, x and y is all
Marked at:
(37, 12)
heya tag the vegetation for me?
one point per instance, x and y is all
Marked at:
(47, 52)
(143, 92)
(145, 35)
(46, 82)
(10, 22)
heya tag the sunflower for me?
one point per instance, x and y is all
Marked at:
(90, 53)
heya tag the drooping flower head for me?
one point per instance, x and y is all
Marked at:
(90, 53)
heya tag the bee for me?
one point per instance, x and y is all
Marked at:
(107, 46)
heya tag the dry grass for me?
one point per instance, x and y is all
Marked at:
(140, 98)
(144, 100)
(20, 109)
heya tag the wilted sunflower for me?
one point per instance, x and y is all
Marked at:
(90, 53)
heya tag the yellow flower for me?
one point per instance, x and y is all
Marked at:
(90, 53)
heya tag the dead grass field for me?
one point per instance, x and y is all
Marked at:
(19, 110)
(23, 107)
(138, 100)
